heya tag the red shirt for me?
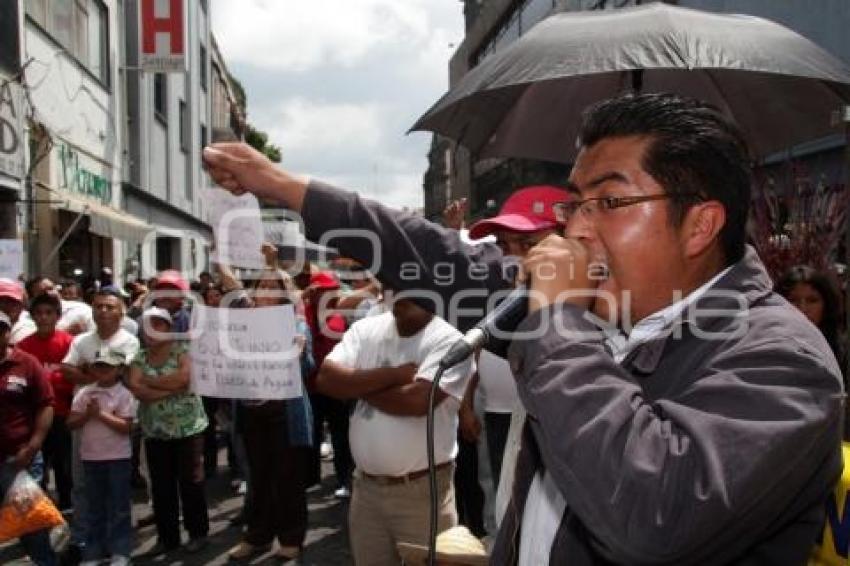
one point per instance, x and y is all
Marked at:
(24, 391)
(322, 344)
(50, 352)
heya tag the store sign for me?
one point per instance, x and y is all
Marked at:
(77, 179)
(11, 129)
(162, 38)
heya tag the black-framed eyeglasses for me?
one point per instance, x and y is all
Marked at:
(591, 207)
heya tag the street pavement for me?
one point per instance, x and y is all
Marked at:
(327, 537)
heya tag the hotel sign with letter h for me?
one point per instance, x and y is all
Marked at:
(162, 36)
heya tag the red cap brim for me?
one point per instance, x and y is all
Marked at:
(510, 222)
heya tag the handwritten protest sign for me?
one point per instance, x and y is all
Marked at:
(238, 228)
(11, 258)
(245, 353)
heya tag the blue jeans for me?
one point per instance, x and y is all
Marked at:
(37, 544)
(79, 523)
(108, 499)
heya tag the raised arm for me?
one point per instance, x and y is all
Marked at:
(405, 251)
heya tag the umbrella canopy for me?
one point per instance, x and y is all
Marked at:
(526, 100)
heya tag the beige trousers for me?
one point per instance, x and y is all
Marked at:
(382, 515)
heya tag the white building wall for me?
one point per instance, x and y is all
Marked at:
(167, 170)
(79, 111)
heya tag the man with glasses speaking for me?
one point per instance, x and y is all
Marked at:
(680, 412)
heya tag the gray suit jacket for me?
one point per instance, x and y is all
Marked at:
(692, 451)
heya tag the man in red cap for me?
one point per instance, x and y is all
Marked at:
(12, 304)
(526, 218)
(327, 328)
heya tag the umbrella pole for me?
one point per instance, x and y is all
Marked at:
(845, 279)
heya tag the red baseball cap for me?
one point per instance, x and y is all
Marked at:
(12, 289)
(172, 278)
(527, 210)
(324, 280)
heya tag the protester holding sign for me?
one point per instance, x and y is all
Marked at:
(173, 422)
(278, 436)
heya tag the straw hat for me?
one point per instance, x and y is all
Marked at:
(454, 546)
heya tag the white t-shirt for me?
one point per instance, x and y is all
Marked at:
(88, 347)
(76, 313)
(390, 445)
(98, 442)
(497, 384)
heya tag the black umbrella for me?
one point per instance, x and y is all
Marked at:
(526, 100)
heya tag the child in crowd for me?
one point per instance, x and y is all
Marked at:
(105, 411)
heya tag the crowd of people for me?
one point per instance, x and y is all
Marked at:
(86, 388)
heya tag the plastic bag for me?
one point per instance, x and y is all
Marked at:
(26, 509)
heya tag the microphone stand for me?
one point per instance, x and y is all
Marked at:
(506, 316)
(432, 466)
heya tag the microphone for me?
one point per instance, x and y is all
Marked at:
(504, 318)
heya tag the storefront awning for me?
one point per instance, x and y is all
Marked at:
(105, 220)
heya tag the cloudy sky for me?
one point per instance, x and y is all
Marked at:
(337, 83)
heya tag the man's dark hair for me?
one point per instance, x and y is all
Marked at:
(107, 292)
(693, 148)
(51, 301)
(32, 282)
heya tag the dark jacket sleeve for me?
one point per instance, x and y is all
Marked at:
(692, 476)
(407, 252)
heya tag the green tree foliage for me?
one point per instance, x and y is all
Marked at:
(257, 139)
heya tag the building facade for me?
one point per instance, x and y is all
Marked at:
(12, 120)
(72, 84)
(100, 162)
(493, 24)
(170, 118)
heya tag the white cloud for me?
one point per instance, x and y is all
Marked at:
(297, 36)
(337, 83)
(308, 126)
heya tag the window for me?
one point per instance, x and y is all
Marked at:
(184, 127)
(80, 26)
(160, 97)
(203, 67)
(10, 60)
(204, 140)
(98, 42)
